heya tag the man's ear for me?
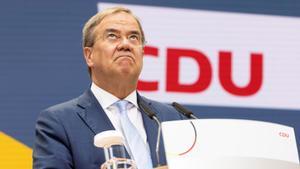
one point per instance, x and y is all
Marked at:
(87, 52)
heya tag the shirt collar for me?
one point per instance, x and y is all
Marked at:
(106, 99)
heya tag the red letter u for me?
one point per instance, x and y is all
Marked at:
(225, 74)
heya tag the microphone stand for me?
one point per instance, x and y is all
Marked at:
(152, 116)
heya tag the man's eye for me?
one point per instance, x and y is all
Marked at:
(112, 36)
(134, 37)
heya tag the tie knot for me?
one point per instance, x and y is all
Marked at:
(122, 105)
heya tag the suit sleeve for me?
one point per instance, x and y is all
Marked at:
(51, 148)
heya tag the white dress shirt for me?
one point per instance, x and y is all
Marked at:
(106, 100)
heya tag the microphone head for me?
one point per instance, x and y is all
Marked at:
(147, 110)
(182, 110)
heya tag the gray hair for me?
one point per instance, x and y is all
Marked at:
(88, 37)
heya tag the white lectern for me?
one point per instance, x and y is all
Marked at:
(229, 144)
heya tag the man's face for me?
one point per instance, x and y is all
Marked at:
(117, 49)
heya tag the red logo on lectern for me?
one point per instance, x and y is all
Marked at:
(283, 134)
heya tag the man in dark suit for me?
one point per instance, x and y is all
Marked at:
(113, 43)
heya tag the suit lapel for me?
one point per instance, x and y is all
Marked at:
(93, 114)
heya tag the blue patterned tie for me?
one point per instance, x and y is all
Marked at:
(137, 146)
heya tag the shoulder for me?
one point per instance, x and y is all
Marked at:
(61, 109)
(76, 104)
(64, 106)
(68, 109)
(54, 118)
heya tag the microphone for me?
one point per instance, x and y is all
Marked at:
(184, 111)
(153, 116)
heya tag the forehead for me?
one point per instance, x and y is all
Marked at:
(120, 21)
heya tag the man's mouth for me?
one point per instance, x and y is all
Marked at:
(124, 56)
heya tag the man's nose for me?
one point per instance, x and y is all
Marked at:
(124, 44)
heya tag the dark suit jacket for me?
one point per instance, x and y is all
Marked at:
(65, 133)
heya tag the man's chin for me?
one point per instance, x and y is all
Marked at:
(126, 71)
(129, 73)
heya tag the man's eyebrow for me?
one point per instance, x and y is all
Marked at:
(111, 30)
(135, 32)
